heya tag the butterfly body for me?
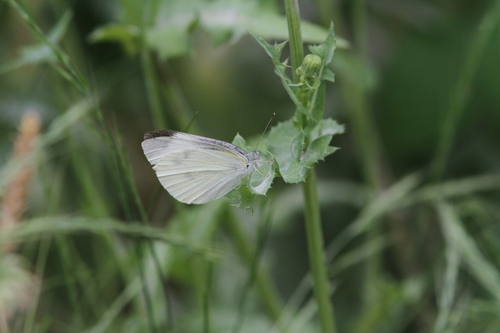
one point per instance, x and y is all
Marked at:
(196, 169)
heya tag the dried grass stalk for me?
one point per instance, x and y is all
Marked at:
(14, 200)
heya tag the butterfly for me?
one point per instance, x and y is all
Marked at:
(195, 169)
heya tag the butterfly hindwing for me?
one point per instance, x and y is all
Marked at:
(195, 169)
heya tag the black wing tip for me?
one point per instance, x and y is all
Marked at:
(158, 133)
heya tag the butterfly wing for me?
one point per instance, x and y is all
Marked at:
(195, 169)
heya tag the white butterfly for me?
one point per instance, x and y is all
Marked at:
(195, 169)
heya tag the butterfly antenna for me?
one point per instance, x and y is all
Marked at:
(265, 129)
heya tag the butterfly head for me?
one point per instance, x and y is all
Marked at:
(254, 156)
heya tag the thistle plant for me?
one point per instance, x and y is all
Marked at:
(301, 142)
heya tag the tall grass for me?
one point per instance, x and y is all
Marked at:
(409, 223)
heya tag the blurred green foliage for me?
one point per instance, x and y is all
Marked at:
(409, 203)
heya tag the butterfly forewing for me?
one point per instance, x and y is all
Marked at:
(195, 169)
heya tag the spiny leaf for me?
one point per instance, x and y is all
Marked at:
(326, 49)
(287, 143)
(326, 127)
(274, 51)
(257, 182)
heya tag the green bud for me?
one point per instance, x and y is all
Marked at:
(311, 64)
(309, 71)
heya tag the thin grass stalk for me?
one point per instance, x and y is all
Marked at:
(111, 313)
(459, 93)
(143, 217)
(93, 203)
(476, 263)
(371, 151)
(69, 72)
(119, 175)
(12, 207)
(124, 173)
(263, 233)
(41, 262)
(267, 292)
(52, 189)
(376, 167)
(206, 296)
(447, 295)
(139, 253)
(154, 100)
(152, 86)
(152, 89)
(64, 65)
(70, 276)
(360, 29)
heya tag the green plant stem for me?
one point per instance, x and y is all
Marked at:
(206, 297)
(312, 214)
(316, 254)
(145, 292)
(153, 94)
(375, 168)
(267, 291)
(360, 28)
(153, 91)
(365, 130)
(295, 35)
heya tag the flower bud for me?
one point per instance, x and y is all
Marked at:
(309, 71)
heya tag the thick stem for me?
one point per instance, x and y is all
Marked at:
(313, 220)
(295, 35)
(316, 254)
